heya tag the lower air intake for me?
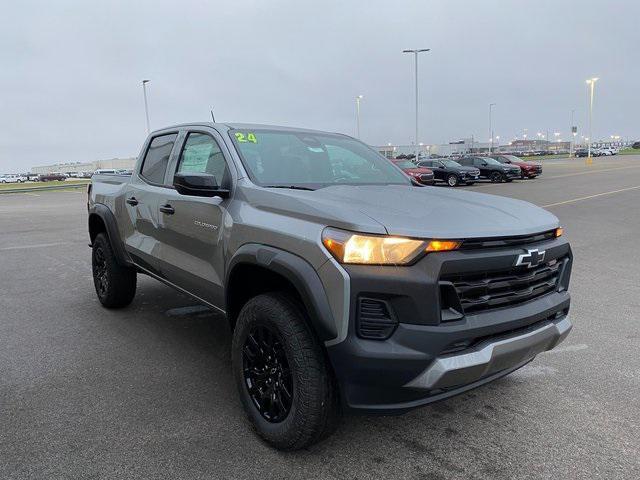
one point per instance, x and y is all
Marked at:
(375, 320)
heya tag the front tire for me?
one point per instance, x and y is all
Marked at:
(496, 177)
(115, 285)
(284, 381)
(452, 180)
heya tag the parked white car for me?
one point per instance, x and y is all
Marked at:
(13, 178)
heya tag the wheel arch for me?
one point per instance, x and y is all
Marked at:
(256, 269)
(102, 220)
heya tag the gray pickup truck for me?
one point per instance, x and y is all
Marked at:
(347, 286)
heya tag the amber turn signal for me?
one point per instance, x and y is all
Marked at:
(442, 245)
(559, 231)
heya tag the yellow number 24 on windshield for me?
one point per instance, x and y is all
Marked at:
(249, 137)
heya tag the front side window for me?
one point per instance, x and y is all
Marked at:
(202, 154)
(311, 160)
(157, 158)
(451, 163)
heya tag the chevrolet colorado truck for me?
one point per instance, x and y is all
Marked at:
(347, 286)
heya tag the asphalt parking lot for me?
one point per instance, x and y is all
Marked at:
(147, 392)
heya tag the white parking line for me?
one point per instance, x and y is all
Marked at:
(591, 196)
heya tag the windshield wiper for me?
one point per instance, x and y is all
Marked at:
(291, 187)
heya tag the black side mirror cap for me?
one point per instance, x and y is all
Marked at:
(198, 185)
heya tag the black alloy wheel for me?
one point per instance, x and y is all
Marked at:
(496, 177)
(452, 180)
(267, 374)
(100, 273)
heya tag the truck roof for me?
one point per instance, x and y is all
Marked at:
(243, 126)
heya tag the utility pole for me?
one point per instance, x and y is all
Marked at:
(358, 98)
(592, 83)
(573, 135)
(491, 105)
(146, 104)
(415, 53)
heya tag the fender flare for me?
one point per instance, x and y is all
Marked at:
(299, 273)
(108, 218)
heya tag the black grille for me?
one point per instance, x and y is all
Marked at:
(489, 290)
(375, 320)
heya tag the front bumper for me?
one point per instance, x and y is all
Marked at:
(491, 357)
(428, 358)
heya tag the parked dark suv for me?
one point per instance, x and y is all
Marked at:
(451, 171)
(492, 169)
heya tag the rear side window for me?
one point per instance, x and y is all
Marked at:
(157, 158)
(465, 161)
(202, 154)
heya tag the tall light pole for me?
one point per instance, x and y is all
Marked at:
(491, 105)
(415, 54)
(146, 104)
(572, 139)
(358, 98)
(592, 83)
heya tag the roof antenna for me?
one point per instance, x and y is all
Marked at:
(212, 117)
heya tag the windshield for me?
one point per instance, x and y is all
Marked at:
(491, 161)
(513, 158)
(405, 164)
(451, 163)
(311, 160)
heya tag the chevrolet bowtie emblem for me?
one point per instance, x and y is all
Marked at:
(531, 259)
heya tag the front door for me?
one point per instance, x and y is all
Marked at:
(191, 229)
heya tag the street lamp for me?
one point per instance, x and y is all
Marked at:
(491, 105)
(358, 98)
(592, 83)
(146, 104)
(415, 54)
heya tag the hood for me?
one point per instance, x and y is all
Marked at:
(464, 168)
(417, 170)
(424, 212)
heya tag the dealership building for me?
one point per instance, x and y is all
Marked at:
(90, 167)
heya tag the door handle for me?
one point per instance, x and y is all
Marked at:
(132, 201)
(168, 209)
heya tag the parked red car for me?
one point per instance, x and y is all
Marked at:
(527, 169)
(420, 174)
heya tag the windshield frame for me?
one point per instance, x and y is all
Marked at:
(403, 179)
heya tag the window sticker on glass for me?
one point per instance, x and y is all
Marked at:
(246, 137)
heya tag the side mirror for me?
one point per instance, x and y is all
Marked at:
(198, 185)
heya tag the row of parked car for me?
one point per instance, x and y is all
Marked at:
(55, 176)
(467, 170)
(597, 152)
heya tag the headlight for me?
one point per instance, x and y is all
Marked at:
(349, 247)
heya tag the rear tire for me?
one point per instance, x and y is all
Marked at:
(470, 183)
(496, 177)
(452, 180)
(285, 383)
(115, 285)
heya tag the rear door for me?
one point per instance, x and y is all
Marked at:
(142, 194)
(190, 228)
(481, 165)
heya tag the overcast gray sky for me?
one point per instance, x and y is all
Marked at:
(70, 72)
